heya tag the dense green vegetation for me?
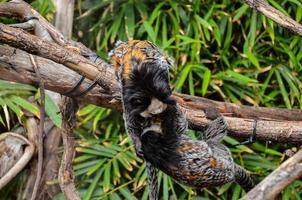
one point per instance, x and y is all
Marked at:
(222, 50)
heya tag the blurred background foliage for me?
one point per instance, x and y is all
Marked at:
(222, 50)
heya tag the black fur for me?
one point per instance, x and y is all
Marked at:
(160, 151)
(160, 148)
(145, 81)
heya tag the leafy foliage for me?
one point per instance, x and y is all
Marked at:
(222, 50)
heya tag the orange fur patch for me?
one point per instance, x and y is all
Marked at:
(128, 51)
(213, 162)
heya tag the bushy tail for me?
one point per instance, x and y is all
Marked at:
(243, 178)
(152, 181)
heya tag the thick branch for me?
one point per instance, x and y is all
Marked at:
(15, 66)
(277, 16)
(273, 184)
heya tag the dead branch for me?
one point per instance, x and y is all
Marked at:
(22, 162)
(273, 184)
(277, 16)
(66, 177)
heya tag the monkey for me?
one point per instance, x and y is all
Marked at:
(197, 163)
(143, 73)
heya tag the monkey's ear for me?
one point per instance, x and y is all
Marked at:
(170, 101)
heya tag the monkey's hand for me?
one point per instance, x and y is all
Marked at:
(212, 113)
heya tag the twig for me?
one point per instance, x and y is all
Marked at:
(21, 163)
(66, 177)
(277, 16)
(41, 129)
(274, 183)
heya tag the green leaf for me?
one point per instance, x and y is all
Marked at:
(240, 11)
(236, 192)
(203, 22)
(165, 188)
(7, 85)
(205, 82)
(253, 29)
(26, 105)
(107, 174)
(283, 90)
(253, 59)
(13, 107)
(93, 185)
(130, 20)
(183, 76)
(52, 110)
(150, 31)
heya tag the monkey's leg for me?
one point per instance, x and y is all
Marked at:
(152, 181)
(252, 138)
(243, 178)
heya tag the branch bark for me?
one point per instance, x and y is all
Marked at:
(273, 184)
(275, 15)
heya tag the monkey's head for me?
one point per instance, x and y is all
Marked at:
(143, 71)
(147, 91)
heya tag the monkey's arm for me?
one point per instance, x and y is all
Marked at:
(134, 129)
(174, 121)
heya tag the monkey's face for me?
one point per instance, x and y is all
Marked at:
(147, 92)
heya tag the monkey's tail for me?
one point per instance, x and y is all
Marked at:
(243, 178)
(152, 181)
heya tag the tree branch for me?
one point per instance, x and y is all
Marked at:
(275, 15)
(273, 184)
